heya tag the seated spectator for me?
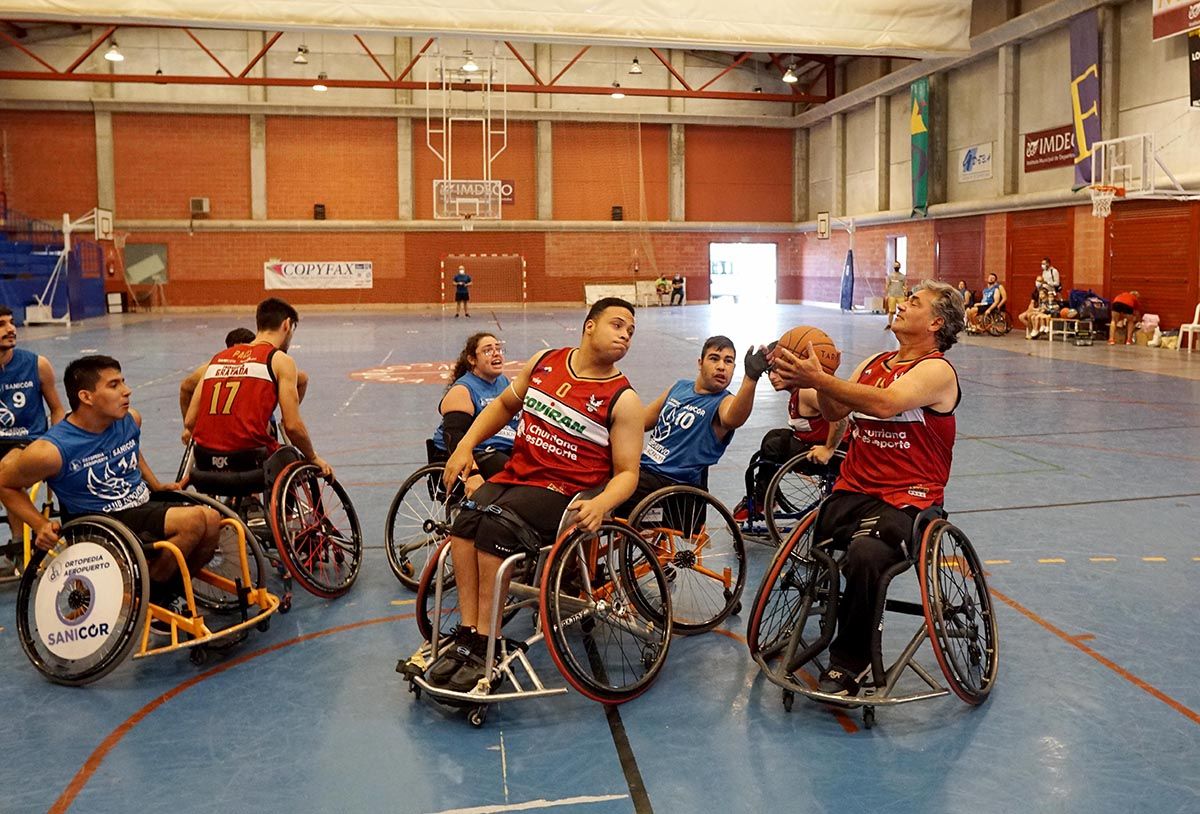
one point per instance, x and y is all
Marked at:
(1026, 316)
(966, 293)
(1048, 308)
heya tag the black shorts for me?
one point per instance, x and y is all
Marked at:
(464, 296)
(539, 510)
(7, 445)
(147, 521)
(846, 515)
(491, 462)
(1121, 308)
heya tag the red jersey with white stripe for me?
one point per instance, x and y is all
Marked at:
(809, 429)
(562, 439)
(903, 460)
(237, 396)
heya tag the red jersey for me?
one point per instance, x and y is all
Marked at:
(562, 439)
(811, 429)
(903, 460)
(237, 396)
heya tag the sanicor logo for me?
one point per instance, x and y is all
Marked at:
(535, 406)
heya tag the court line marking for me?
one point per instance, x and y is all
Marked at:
(503, 759)
(531, 805)
(1051, 560)
(1141, 684)
(1103, 501)
(402, 601)
(1102, 559)
(1154, 559)
(89, 767)
(997, 562)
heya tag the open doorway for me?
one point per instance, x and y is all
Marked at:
(742, 272)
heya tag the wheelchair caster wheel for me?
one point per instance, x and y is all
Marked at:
(285, 603)
(415, 689)
(868, 717)
(477, 716)
(263, 626)
(788, 698)
(198, 656)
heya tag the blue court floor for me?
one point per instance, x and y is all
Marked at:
(1076, 475)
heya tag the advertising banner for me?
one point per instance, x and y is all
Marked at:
(1085, 91)
(1051, 148)
(283, 274)
(919, 128)
(975, 162)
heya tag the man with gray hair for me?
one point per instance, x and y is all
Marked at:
(901, 405)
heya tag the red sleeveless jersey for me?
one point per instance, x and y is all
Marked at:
(237, 396)
(809, 429)
(903, 460)
(562, 439)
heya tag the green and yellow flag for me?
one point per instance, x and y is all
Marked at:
(919, 129)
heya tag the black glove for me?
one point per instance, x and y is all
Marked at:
(756, 363)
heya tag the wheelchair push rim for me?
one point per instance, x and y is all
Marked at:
(700, 547)
(417, 521)
(779, 601)
(959, 614)
(606, 612)
(791, 495)
(226, 562)
(81, 606)
(316, 530)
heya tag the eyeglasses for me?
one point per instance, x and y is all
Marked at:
(490, 351)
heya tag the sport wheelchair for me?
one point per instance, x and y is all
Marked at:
(310, 531)
(85, 604)
(795, 616)
(600, 602)
(795, 488)
(421, 509)
(20, 552)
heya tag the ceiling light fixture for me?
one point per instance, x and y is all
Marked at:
(470, 66)
(636, 67)
(320, 86)
(617, 93)
(113, 54)
(301, 57)
(789, 75)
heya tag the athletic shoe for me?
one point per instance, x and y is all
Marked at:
(1130, 342)
(740, 513)
(178, 605)
(1112, 342)
(474, 668)
(838, 681)
(456, 650)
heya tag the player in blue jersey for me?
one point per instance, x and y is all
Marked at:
(93, 462)
(477, 380)
(26, 393)
(692, 422)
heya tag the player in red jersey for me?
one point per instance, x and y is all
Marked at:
(231, 409)
(901, 404)
(581, 428)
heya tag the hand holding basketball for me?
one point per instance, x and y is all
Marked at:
(805, 340)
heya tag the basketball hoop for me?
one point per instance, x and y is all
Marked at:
(1103, 197)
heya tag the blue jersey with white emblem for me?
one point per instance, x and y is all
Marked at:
(683, 442)
(99, 471)
(484, 393)
(22, 414)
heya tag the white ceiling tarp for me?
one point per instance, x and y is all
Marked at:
(921, 28)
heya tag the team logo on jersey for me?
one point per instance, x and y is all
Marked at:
(113, 485)
(594, 404)
(7, 419)
(536, 379)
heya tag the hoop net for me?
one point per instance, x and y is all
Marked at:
(1103, 197)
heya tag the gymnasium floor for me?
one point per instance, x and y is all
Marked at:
(1075, 473)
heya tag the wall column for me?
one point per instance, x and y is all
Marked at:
(258, 166)
(543, 63)
(678, 60)
(939, 132)
(106, 186)
(402, 55)
(676, 161)
(1007, 156)
(545, 169)
(404, 168)
(1110, 66)
(255, 40)
(883, 153)
(800, 175)
(837, 206)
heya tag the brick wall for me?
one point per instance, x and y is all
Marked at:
(517, 163)
(51, 161)
(601, 164)
(738, 174)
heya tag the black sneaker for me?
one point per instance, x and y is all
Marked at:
(838, 681)
(178, 605)
(474, 668)
(455, 651)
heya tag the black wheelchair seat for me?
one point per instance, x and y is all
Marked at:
(238, 474)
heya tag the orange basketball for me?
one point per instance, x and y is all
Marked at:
(1065, 313)
(798, 338)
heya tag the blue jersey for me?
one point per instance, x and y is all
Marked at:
(989, 294)
(460, 283)
(683, 442)
(99, 472)
(484, 393)
(22, 414)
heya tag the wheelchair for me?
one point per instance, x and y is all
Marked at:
(601, 603)
(795, 615)
(422, 506)
(310, 531)
(795, 489)
(85, 604)
(20, 552)
(700, 548)
(995, 323)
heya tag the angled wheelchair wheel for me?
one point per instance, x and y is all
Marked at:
(959, 614)
(316, 530)
(700, 548)
(999, 323)
(606, 612)
(227, 563)
(417, 521)
(450, 616)
(82, 605)
(794, 589)
(795, 491)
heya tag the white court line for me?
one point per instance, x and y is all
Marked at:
(170, 376)
(535, 804)
(342, 409)
(504, 766)
(544, 342)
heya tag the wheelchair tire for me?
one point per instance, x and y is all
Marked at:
(700, 547)
(226, 562)
(606, 612)
(81, 611)
(426, 593)
(780, 600)
(959, 614)
(416, 522)
(791, 495)
(316, 530)
(999, 324)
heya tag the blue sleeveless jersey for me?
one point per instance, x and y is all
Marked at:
(99, 471)
(483, 394)
(22, 414)
(683, 442)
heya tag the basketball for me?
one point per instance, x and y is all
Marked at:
(1065, 313)
(798, 338)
